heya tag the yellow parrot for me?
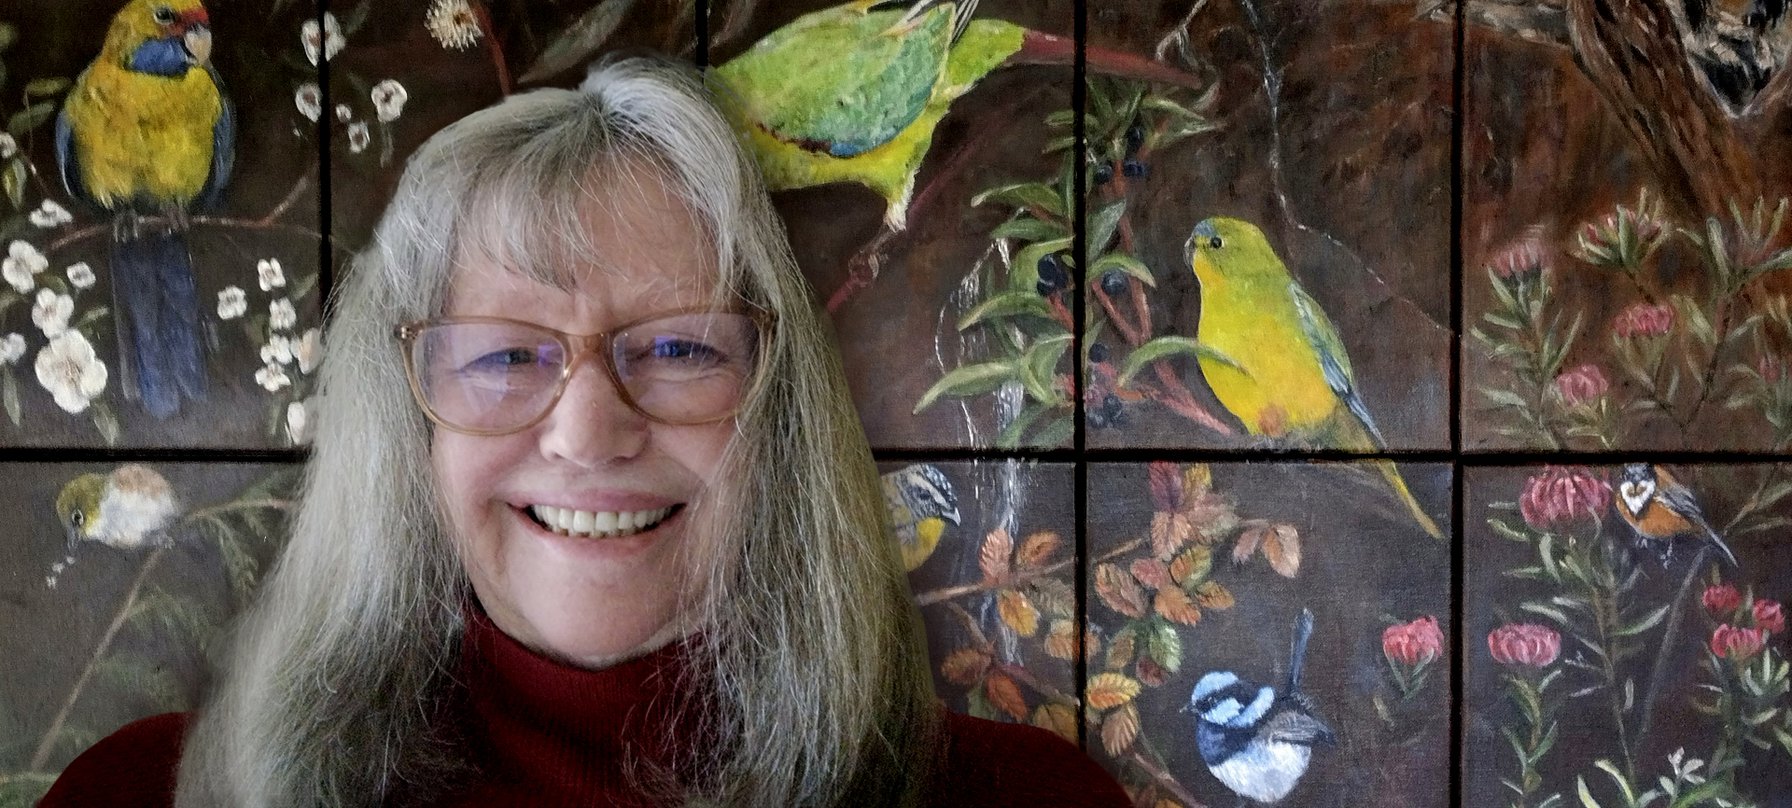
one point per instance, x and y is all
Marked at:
(1288, 373)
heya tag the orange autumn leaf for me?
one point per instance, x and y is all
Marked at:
(1281, 545)
(1018, 612)
(1170, 530)
(1192, 566)
(1119, 729)
(1060, 642)
(1110, 690)
(994, 556)
(1197, 479)
(1175, 606)
(1037, 550)
(1151, 572)
(1151, 674)
(964, 666)
(1119, 590)
(1005, 695)
(1058, 718)
(1213, 595)
(1120, 653)
(1249, 540)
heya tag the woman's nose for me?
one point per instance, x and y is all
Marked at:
(592, 424)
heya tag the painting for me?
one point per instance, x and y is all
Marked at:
(118, 577)
(1625, 639)
(1263, 633)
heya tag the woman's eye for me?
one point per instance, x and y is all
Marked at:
(690, 351)
(504, 359)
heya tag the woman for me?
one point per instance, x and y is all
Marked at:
(532, 567)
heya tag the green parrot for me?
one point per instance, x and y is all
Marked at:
(853, 93)
(921, 502)
(127, 509)
(1279, 365)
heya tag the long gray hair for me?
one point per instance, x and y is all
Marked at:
(334, 682)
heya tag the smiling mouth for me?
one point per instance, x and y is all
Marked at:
(598, 524)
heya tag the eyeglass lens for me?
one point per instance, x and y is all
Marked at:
(495, 376)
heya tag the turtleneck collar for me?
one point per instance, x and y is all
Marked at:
(566, 735)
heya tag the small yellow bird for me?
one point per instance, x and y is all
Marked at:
(128, 509)
(1287, 374)
(921, 502)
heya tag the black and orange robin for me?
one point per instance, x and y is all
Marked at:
(1662, 511)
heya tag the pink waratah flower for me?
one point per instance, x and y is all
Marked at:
(1644, 320)
(1738, 644)
(1582, 385)
(1414, 643)
(1771, 368)
(1769, 617)
(1521, 259)
(1560, 495)
(1721, 600)
(1524, 644)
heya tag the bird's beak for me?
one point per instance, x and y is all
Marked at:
(951, 516)
(196, 35)
(73, 535)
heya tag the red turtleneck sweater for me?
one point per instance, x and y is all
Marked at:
(542, 733)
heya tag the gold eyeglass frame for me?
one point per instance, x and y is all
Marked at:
(578, 347)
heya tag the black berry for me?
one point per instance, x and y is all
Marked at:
(1098, 352)
(1104, 173)
(1133, 167)
(1113, 282)
(1135, 137)
(1052, 274)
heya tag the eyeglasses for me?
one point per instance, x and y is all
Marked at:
(492, 376)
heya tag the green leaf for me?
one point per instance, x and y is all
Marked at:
(14, 182)
(54, 85)
(1586, 797)
(1039, 364)
(1024, 195)
(1027, 229)
(969, 380)
(105, 422)
(1164, 347)
(1011, 433)
(1617, 777)
(1646, 623)
(1103, 222)
(580, 41)
(30, 118)
(1007, 304)
(1164, 646)
(9, 395)
(1547, 611)
(9, 34)
(1054, 434)
(1125, 263)
(1504, 398)
(1023, 273)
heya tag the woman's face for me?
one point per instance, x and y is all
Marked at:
(587, 601)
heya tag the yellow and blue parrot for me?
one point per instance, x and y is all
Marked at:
(1280, 367)
(853, 93)
(148, 130)
(921, 502)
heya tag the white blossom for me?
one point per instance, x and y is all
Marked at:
(327, 39)
(298, 422)
(68, 368)
(12, 348)
(23, 261)
(50, 214)
(281, 314)
(309, 350)
(272, 378)
(278, 351)
(309, 98)
(81, 275)
(8, 146)
(270, 274)
(344, 114)
(358, 137)
(51, 311)
(388, 100)
(453, 24)
(232, 303)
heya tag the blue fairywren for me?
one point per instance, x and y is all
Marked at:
(1255, 740)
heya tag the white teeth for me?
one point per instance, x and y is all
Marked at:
(597, 524)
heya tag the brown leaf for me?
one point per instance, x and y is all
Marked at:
(1282, 547)
(1169, 531)
(1110, 690)
(1059, 718)
(1005, 695)
(1119, 590)
(1151, 572)
(1192, 566)
(964, 666)
(1018, 612)
(1249, 540)
(1060, 641)
(1037, 550)
(1119, 729)
(1091, 646)
(1120, 652)
(1151, 674)
(1213, 595)
(1166, 802)
(1175, 606)
(1210, 515)
(994, 556)
(1054, 596)
(1166, 486)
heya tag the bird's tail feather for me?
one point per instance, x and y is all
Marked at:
(1297, 655)
(156, 314)
(1391, 473)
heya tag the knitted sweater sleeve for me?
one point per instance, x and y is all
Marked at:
(134, 767)
(995, 765)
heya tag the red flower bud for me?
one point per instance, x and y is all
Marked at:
(1721, 600)
(1582, 385)
(1414, 643)
(1644, 320)
(1769, 617)
(1771, 368)
(1525, 644)
(1560, 495)
(1738, 644)
(1520, 260)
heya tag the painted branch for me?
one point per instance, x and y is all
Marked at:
(90, 231)
(493, 46)
(1543, 21)
(1039, 48)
